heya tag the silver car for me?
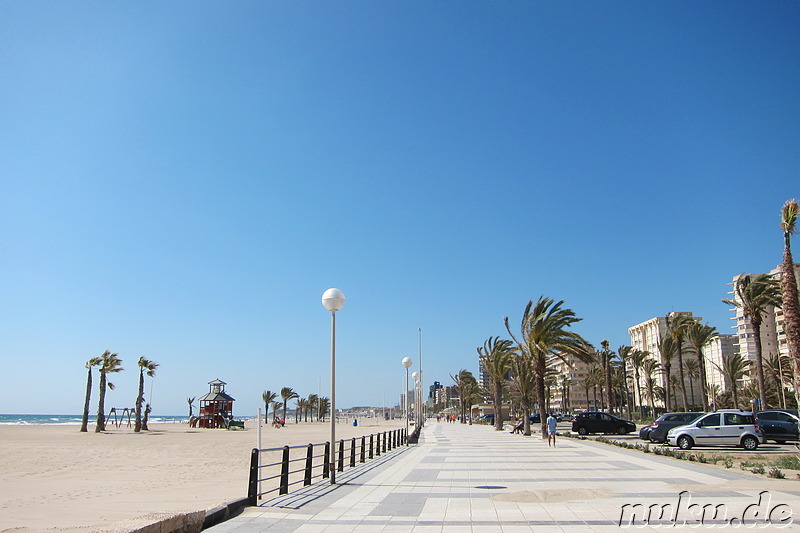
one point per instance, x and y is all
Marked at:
(726, 427)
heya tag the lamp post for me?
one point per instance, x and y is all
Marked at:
(415, 377)
(333, 300)
(406, 363)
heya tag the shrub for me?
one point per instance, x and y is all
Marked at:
(791, 462)
(774, 472)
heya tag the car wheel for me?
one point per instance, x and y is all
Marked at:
(583, 431)
(685, 443)
(749, 443)
(622, 430)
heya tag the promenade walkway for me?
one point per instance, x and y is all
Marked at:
(462, 478)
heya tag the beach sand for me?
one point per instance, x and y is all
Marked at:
(55, 478)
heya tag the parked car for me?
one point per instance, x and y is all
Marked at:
(598, 422)
(726, 427)
(644, 432)
(667, 421)
(779, 426)
(487, 419)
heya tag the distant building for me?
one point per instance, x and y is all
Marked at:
(568, 394)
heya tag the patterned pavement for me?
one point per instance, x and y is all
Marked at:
(463, 478)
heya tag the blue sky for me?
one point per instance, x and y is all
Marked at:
(183, 180)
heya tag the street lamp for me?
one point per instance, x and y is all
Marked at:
(406, 363)
(333, 300)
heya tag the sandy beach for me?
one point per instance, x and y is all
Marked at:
(55, 478)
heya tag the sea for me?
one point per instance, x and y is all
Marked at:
(74, 420)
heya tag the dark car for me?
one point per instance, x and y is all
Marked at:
(598, 422)
(779, 426)
(667, 421)
(536, 418)
(644, 432)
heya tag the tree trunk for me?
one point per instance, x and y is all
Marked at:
(137, 426)
(791, 313)
(101, 406)
(701, 361)
(498, 405)
(85, 419)
(679, 342)
(762, 394)
(667, 387)
(639, 392)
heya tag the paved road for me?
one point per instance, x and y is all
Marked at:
(464, 478)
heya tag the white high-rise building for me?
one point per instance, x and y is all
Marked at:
(720, 346)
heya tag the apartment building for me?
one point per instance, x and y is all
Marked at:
(568, 393)
(720, 346)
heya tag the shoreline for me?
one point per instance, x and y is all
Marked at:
(65, 480)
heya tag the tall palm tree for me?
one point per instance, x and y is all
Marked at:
(275, 407)
(268, 397)
(566, 386)
(464, 381)
(545, 333)
(779, 369)
(287, 393)
(324, 406)
(586, 383)
(524, 384)
(495, 357)
(624, 357)
(638, 357)
(313, 403)
(692, 369)
(94, 361)
(791, 305)
(667, 350)
(734, 368)
(676, 327)
(755, 295)
(650, 372)
(110, 364)
(299, 408)
(598, 378)
(190, 401)
(698, 335)
(606, 357)
(146, 366)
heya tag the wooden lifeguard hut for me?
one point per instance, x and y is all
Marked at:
(216, 407)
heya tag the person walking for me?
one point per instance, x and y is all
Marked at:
(551, 430)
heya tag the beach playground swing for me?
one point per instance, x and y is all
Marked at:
(129, 412)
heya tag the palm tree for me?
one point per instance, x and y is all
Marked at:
(779, 368)
(791, 305)
(544, 333)
(638, 357)
(110, 364)
(566, 386)
(324, 405)
(667, 350)
(94, 361)
(495, 357)
(606, 355)
(287, 393)
(149, 367)
(698, 335)
(650, 372)
(676, 327)
(586, 383)
(299, 408)
(464, 381)
(734, 368)
(313, 403)
(275, 407)
(524, 383)
(624, 357)
(268, 397)
(692, 369)
(597, 377)
(755, 295)
(190, 401)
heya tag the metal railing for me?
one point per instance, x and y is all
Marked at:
(286, 472)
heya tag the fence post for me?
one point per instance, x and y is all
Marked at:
(391, 440)
(384, 442)
(353, 453)
(252, 484)
(371, 445)
(326, 466)
(377, 444)
(284, 488)
(341, 456)
(309, 464)
(363, 448)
